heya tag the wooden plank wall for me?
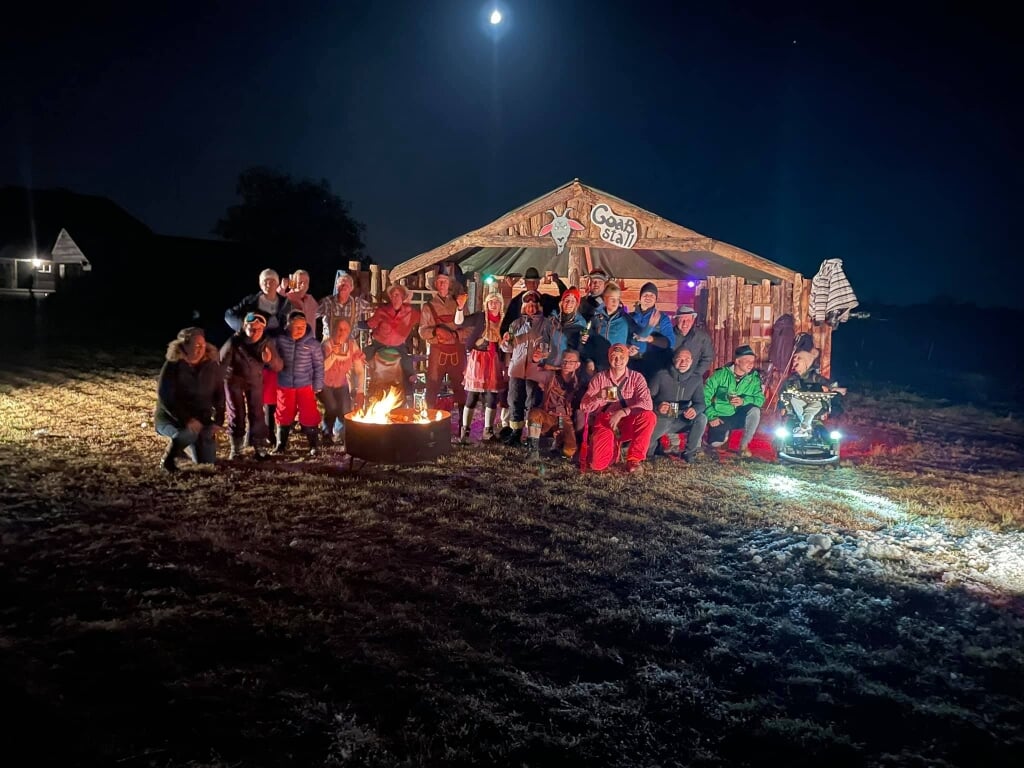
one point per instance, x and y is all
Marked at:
(725, 306)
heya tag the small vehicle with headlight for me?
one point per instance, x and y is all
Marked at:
(817, 444)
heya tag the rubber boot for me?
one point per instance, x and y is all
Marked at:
(282, 440)
(327, 435)
(533, 447)
(237, 446)
(313, 438)
(167, 460)
(268, 416)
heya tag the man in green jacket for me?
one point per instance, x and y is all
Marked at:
(734, 398)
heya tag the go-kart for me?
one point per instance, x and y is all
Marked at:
(817, 446)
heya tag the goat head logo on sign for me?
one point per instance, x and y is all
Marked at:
(560, 227)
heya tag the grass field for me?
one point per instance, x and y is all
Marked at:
(485, 610)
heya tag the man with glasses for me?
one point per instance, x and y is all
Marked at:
(562, 396)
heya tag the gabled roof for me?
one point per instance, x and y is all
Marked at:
(662, 249)
(31, 222)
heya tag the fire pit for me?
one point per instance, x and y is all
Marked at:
(384, 433)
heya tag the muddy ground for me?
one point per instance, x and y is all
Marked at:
(487, 610)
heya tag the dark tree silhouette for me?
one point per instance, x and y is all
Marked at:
(294, 224)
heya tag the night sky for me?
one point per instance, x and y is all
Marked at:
(887, 141)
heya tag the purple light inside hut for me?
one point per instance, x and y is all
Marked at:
(690, 284)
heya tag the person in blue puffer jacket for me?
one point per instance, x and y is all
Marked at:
(610, 325)
(653, 323)
(299, 382)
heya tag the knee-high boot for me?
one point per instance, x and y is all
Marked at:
(466, 421)
(313, 438)
(282, 440)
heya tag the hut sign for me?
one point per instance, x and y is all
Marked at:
(614, 229)
(560, 227)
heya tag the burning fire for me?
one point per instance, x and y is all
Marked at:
(390, 408)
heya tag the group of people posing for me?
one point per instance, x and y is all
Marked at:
(578, 367)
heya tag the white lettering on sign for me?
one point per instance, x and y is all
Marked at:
(614, 229)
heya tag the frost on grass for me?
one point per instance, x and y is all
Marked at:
(482, 611)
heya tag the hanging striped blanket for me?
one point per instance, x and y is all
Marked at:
(832, 296)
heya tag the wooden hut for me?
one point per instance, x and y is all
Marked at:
(573, 229)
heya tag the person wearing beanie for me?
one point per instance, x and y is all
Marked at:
(485, 377)
(618, 401)
(343, 304)
(655, 329)
(190, 399)
(734, 397)
(243, 359)
(597, 281)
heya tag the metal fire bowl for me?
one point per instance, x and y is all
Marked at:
(399, 443)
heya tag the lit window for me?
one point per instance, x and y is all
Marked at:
(46, 267)
(760, 321)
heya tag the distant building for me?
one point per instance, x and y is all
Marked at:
(51, 239)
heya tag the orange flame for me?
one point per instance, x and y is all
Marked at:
(379, 411)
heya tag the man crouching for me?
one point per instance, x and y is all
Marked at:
(678, 395)
(562, 396)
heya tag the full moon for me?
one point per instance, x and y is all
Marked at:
(495, 16)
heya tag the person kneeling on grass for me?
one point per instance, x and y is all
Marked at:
(299, 382)
(734, 397)
(562, 395)
(678, 395)
(242, 359)
(190, 399)
(619, 399)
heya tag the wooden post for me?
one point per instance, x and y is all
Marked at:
(428, 279)
(575, 267)
(375, 287)
(385, 282)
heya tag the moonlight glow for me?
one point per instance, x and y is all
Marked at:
(495, 16)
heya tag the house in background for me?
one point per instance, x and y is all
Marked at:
(87, 264)
(50, 239)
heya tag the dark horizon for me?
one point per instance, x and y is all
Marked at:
(887, 141)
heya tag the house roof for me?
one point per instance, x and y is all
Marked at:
(661, 249)
(31, 222)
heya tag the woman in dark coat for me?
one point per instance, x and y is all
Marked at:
(190, 399)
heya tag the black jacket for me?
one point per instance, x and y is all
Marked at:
(187, 391)
(671, 386)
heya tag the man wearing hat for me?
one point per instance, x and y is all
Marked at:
(392, 325)
(548, 304)
(734, 396)
(687, 336)
(597, 280)
(243, 358)
(447, 354)
(619, 399)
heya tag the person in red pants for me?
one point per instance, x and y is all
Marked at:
(618, 400)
